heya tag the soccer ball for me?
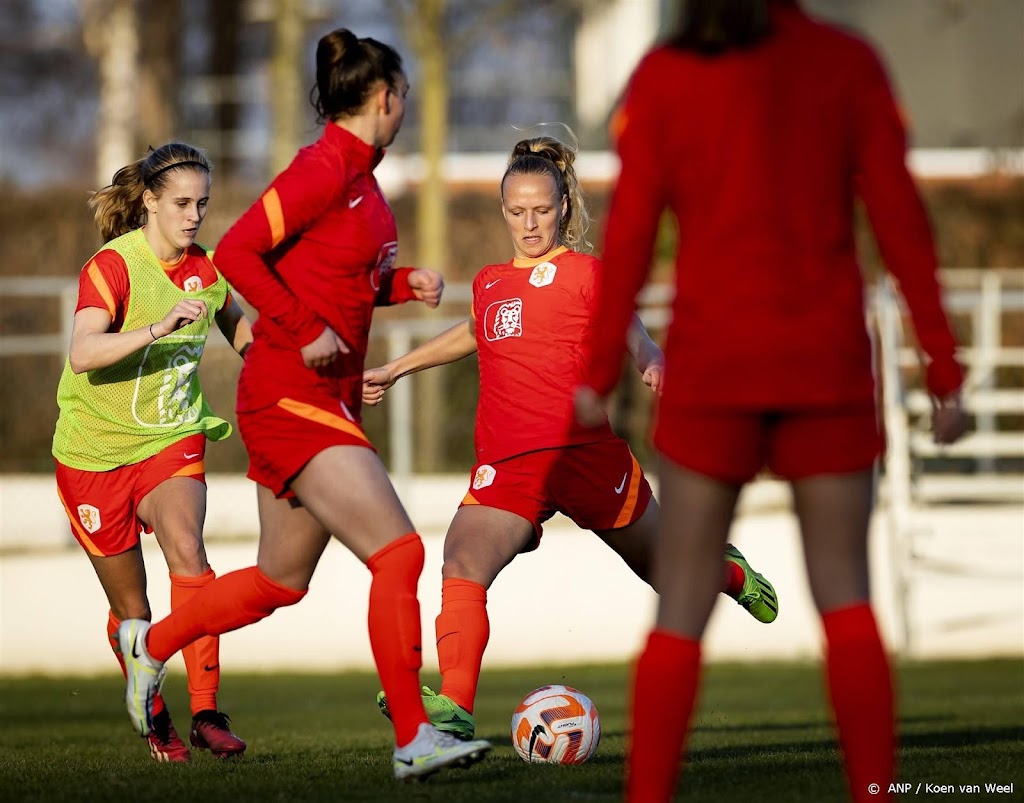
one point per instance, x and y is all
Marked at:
(556, 725)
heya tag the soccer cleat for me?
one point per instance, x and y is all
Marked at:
(164, 742)
(433, 750)
(145, 673)
(210, 731)
(444, 714)
(758, 595)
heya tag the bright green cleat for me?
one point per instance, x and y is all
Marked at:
(758, 595)
(444, 714)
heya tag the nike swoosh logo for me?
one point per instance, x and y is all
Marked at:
(190, 456)
(355, 202)
(489, 285)
(622, 484)
(135, 648)
(406, 761)
(209, 668)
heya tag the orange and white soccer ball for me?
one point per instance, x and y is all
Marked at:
(556, 725)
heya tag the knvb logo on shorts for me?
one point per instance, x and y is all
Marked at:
(543, 274)
(483, 477)
(90, 518)
(504, 319)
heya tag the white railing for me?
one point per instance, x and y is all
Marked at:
(908, 487)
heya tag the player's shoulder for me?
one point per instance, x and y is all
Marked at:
(107, 259)
(488, 272)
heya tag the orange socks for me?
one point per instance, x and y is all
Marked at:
(231, 601)
(861, 691)
(112, 624)
(462, 630)
(664, 695)
(394, 621)
(202, 656)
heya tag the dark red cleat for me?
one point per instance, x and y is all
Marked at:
(210, 731)
(164, 742)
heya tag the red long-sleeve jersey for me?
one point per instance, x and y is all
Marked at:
(760, 154)
(317, 249)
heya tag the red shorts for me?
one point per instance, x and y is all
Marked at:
(600, 486)
(734, 445)
(282, 438)
(102, 506)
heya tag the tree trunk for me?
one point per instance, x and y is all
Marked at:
(158, 102)
(432, 210)
(286, 82)
(109, 28)
(225, 24)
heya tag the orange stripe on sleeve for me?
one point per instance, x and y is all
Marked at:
(634, 491)
(83, 536)
(96, 277)
(322, 416)
(275, 215)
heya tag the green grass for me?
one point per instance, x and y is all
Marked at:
(762, 733)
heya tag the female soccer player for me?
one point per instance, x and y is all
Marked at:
(530, 317)
(757, 127)
(314, 255)
(131, 436)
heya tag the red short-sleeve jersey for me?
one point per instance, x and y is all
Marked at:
(532, 317)
(103, 282)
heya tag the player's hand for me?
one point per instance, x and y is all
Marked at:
(186, 311)
(324, 350)
(654, 377)
(590, 408)
(427, 285)
(949, 421)
(375, 382)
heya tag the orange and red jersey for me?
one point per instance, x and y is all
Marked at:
(317, 249)
(532, 317)
(103, 282)
(759, 154)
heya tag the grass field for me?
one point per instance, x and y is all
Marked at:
(762, 734)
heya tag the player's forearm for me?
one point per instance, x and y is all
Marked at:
(235, 327)
(449, 346)
(90, 352)
(644, 351)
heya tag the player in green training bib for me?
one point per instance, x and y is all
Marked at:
(130, 440)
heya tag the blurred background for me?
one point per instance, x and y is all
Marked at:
(87, 85)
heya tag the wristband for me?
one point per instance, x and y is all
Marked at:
(151, 333)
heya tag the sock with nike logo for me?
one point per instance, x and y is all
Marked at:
(202, 656)
(463, 630)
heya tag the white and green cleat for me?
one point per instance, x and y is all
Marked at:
(144, 673)
(433, 750)
(444, 714)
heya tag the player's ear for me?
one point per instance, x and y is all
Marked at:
(565, 207)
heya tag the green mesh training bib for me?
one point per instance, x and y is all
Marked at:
(131, 410)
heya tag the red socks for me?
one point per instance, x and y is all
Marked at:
(734, 577)
(113, 623)
(202, 656)
(462, 630)
(231, 601)
(394, 621)
(664, 695)
(861, 690)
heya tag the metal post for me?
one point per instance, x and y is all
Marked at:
(400, 409)
(987, 325)
(897, 458)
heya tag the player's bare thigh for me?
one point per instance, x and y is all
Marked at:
(175, 511)
(481, 541)
(291, 540)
